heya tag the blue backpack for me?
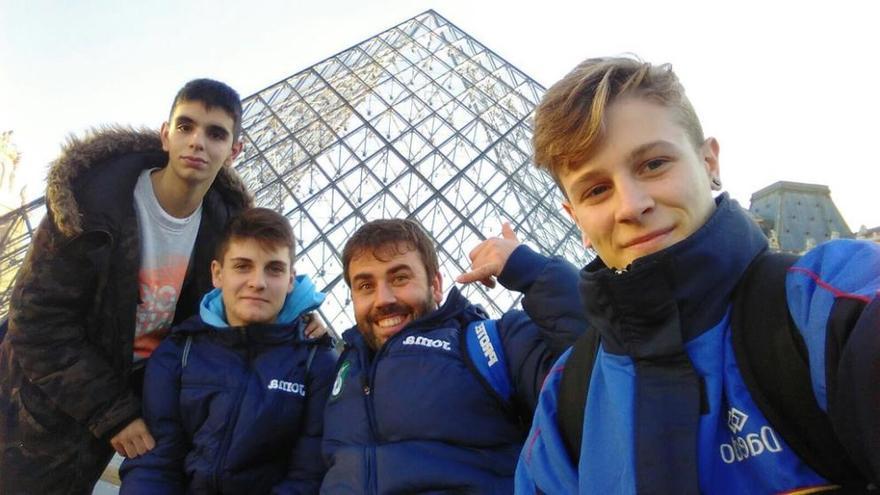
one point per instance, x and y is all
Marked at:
(484, 351)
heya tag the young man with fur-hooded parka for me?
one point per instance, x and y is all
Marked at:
(123, 254)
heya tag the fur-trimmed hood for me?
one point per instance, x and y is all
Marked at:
(98, 147)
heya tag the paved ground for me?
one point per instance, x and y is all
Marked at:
(109, 484)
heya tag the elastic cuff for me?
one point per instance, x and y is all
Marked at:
(522, 268)
(116, 429)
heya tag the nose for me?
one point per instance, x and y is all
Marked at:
(257, 280)
(197, 140)
(634, 200)
(384, 295)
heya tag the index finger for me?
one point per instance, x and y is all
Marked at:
(483, 273)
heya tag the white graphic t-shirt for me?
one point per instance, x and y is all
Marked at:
(166, 245)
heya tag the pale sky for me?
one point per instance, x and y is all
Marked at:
(790, 89)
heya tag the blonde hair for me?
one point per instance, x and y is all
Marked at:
(570, 120)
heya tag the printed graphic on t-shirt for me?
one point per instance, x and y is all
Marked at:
(159, 290)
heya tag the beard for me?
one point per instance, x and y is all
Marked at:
(370, 330)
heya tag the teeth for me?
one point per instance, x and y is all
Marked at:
(390, 322)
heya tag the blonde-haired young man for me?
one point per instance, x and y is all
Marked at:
(668, 407)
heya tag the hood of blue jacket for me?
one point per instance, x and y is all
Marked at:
(302, 299)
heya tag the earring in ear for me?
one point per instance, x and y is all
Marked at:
(716, 184)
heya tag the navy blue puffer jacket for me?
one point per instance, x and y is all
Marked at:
(415, 417)
(233, 410)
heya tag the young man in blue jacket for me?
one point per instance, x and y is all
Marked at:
(235, 396)
(667, 406)
(425, 400)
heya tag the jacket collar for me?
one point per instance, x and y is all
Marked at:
(97, 151)
(673, 295)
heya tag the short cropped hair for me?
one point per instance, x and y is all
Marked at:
(212, 94)
(570, 120)
(390, 237)
(268, 227)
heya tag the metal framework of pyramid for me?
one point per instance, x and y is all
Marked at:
(420, 121)
(16, 232)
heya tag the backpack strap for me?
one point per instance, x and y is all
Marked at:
(312, 351)
(573, 387)
(772, 360)
(484, 350)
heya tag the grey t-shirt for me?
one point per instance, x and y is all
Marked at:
(166, 245)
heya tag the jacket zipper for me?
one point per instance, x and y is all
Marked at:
(227, 437)
(367, 386)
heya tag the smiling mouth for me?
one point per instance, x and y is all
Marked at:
(391, 321)
(648, 238)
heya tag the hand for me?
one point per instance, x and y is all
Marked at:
(314, 326)
(489, 257)
(133, 440)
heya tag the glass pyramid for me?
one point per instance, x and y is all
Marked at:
(421, 121)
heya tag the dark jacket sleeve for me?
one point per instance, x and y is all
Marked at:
(550, 295)
(854, 394)
(833, 294)
(161, 469)
(554, 319)
(307, 468)
(54, 293)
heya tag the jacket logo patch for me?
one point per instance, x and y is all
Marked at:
(736, 420)
(426, 342)
(340, 380)
(486, 344)
(742, 447)
(290, 387)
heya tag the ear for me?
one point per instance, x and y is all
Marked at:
(437, 288)
(709, 151)
(216, 274)
(237, 148)
(570, 210)
(163, 135)
(292, 283)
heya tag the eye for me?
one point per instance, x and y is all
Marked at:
(595, 192)
(217, 135)
(184, 127)
(364, 287)
(655, 164)
(240, 267)
(399, 279)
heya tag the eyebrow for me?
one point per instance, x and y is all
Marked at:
(183, 119)
(394, 269)
(643, 149)
(220, 130)
(214, 128)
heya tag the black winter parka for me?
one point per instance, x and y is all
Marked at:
(67, 358)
